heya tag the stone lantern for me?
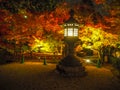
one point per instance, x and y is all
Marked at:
(70, 65)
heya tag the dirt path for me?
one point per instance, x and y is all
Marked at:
(36, 76)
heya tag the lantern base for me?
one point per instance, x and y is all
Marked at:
(71, 66)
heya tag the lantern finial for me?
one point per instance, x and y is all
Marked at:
(71, 12)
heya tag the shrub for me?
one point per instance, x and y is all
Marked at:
(88, 52)
(115, 62)
(5, 56)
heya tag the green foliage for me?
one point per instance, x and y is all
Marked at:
(115, 62)
(25, 48)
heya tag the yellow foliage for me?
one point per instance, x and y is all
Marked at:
(44, 46)
(97, 36)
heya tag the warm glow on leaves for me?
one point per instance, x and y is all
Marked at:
(37, 28)
(97, 36)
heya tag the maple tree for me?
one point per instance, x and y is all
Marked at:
(28, 25)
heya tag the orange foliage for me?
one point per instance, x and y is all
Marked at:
(23, 26)
(99, 1)
(5, 22)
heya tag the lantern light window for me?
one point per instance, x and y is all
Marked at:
(70, 31)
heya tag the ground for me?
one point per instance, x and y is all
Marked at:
(36, 76)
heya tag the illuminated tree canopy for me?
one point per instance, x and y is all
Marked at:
(37, 23)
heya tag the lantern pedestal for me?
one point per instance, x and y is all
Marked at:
(70, 65)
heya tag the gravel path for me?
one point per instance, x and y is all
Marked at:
(36, 76)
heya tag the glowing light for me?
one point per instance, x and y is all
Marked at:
(75, 32)
(87, 60)
(25, 17)
(65, 32)
(70, 32)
